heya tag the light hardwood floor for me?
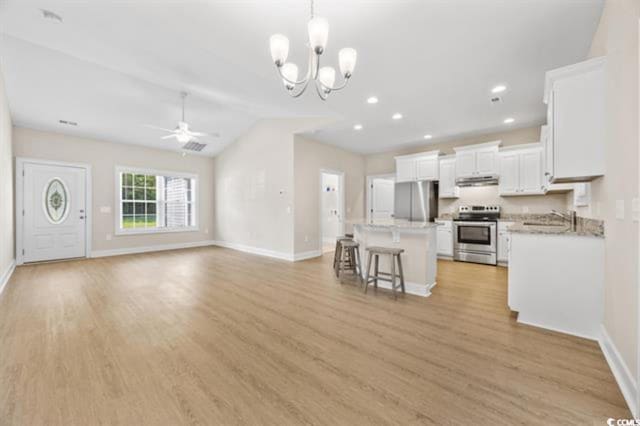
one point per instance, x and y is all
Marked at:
(215, 336)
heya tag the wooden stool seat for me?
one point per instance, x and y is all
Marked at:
(385, 250)
(395, 255)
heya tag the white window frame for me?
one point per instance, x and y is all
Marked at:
(143, 171)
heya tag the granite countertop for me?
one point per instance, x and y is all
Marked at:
(548, 224)
(392, 224)
(583, 229)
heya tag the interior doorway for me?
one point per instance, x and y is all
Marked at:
(331, 208)
(380, 196)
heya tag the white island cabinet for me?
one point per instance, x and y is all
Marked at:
(419, 241)
(556, 281)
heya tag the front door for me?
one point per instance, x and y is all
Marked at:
(54, 212)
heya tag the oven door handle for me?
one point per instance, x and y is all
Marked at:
(466, 223)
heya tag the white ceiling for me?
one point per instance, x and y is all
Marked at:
(113, 66)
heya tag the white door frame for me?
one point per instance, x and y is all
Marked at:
(341, 202)
(368, 191)
(20, 162)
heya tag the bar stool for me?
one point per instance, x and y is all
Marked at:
(394, 254)
(337, 254)
(349, 259)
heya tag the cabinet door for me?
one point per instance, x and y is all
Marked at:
(502, 247)
(427, 168)
(447, 187)
(465, 164)
(445, 242)
(486, 162)
(531, 172)
(405, 169)
(547, 143)
(509, 173)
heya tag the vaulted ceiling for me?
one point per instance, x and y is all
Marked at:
(114, 66)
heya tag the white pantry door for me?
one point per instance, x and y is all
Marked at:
(54, 200)
(382, 202)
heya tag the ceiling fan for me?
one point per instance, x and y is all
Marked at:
(182, 132)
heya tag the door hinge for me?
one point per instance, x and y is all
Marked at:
(23, 173)
(23, 252)
(22, 212)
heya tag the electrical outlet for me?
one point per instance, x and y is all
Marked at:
(306, 238)
(525, 209)
(620, 209)
(108, 237)
(206, 230)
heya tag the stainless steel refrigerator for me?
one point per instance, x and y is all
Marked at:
(416, 201)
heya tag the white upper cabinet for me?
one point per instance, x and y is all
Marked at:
(447, 187)
(509, 173)
(477, 160)
(427, 168)
(521, 171)
(487, 161)
(415, 167)
(575, 98)
(405, 169)
(466, 164)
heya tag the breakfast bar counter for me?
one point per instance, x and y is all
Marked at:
(419, 241)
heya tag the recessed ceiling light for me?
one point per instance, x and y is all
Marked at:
(499, 88)
(509, 120)
(396, 116)
(428, 136)
(357, 127)
(47, 14)
(372, 100)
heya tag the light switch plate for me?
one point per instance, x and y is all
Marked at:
(105, 209)
(635, 209)
(620, 209)
(108, 236)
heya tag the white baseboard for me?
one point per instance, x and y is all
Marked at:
(269, 253)
(625, 379)
(147, 249)
(307, 255)
(4, 278)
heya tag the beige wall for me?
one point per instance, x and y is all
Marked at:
(384, 163)
(309, 158)
(103, 158)
(254, 187)
(617, 38)
(7, 231)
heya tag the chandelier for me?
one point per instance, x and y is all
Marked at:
(324, 77)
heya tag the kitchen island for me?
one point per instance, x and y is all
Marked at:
(419, 241)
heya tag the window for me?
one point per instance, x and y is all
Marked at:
(151, 201)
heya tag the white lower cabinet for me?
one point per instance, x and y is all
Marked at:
(557, 282)
(503, 242)
(445, 238)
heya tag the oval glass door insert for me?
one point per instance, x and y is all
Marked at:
(56, 201)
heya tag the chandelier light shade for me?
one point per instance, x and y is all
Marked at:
(324, 77)
(279, 48)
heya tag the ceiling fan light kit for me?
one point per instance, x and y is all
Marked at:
(323, 77)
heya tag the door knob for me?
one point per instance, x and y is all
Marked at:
(81, 211)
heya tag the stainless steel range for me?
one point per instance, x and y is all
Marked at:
(475, 234)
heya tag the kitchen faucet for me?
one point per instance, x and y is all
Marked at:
(570, 216)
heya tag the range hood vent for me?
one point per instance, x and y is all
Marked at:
(477, 181)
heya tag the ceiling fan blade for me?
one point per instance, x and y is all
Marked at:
(169, 136)
(151, 126)
(213, 135)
